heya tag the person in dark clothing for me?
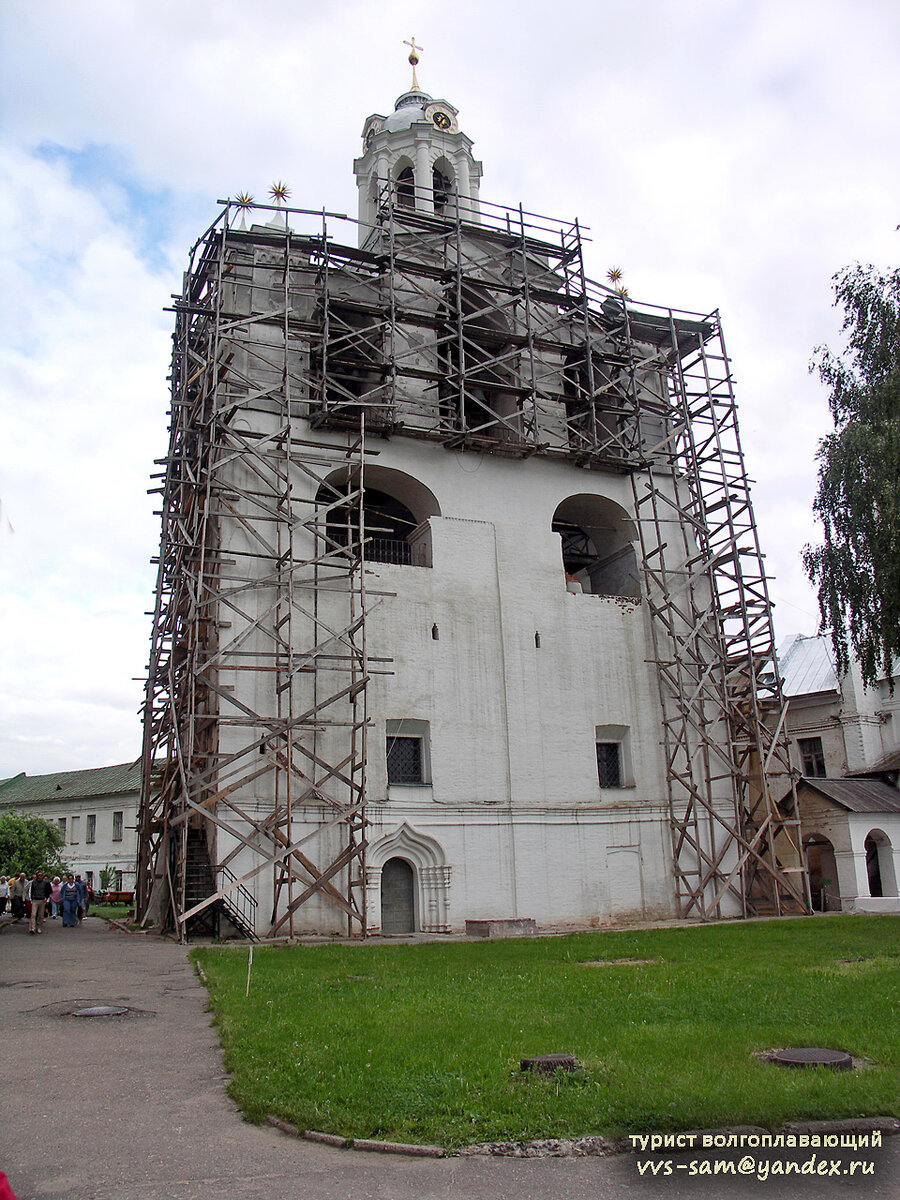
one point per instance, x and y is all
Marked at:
(40, 894)
(82, 886)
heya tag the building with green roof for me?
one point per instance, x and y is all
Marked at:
(95, 810)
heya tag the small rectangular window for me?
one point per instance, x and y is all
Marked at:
(120, 880)
(407, 751)
(404, 760)
(73, 830)
(61, 826)
(89, 876)
(90, 829)
(609, 764)
(117, 826)
(812, 756)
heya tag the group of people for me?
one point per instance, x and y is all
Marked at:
(69, 898)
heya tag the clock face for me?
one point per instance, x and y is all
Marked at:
(369, 137)
(442, 118)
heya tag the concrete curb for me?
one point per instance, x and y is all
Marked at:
(603, 1148)
(885, 1125)
(584, 1147)
(407, 1148)
(369, 1144)
(326, 1139)
(592, 1146)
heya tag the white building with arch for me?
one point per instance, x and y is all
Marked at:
(434, 641)
(846, 742)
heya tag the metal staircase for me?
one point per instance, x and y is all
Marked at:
(238, 908)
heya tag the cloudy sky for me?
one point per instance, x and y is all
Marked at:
(726, 154)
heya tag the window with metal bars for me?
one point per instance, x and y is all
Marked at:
(609, 764)
(405, 760)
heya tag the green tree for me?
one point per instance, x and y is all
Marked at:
(857, 567)
(29, 844)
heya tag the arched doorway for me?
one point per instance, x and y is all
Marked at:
(424, 858)
(880, 864)
(398, 897)
(823, 878)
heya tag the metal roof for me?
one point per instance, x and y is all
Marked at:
(806, 666)
(66, 785)
(887, 762)
(857, 795)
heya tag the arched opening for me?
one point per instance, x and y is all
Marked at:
(880, 864)
(823, 878)
(398, 897)
(406, 188)
(594, 391)
(597, 542)
(395, 512)
(348, 363)
(476, 394)
(442, 185)
(431, 876)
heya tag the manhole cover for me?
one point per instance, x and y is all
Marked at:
(100, 1010)
(808, 1056)
(546, 1064)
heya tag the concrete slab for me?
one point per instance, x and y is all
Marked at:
(135, 1107)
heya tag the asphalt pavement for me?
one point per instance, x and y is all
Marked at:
(134, 1107)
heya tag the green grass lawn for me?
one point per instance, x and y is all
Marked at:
(113, 912)
(422, 1042)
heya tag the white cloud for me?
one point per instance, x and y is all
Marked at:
(84, 399)
(725, 153)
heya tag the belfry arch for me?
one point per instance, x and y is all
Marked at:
(396, 510)
(597, 542)
(405, 183)
(443, 185)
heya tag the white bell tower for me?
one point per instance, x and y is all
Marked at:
(420, 151)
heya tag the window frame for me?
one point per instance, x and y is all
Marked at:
(619, 736)
(603, 768)
(413, 730)
(118, 826)
(812, 755)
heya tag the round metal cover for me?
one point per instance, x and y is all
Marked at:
(100, 1010)
(808, 1056)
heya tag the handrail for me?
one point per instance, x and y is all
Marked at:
(239, 902)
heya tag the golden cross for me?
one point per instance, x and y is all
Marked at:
(413, 59)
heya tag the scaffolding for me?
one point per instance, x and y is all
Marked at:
(295, 354)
